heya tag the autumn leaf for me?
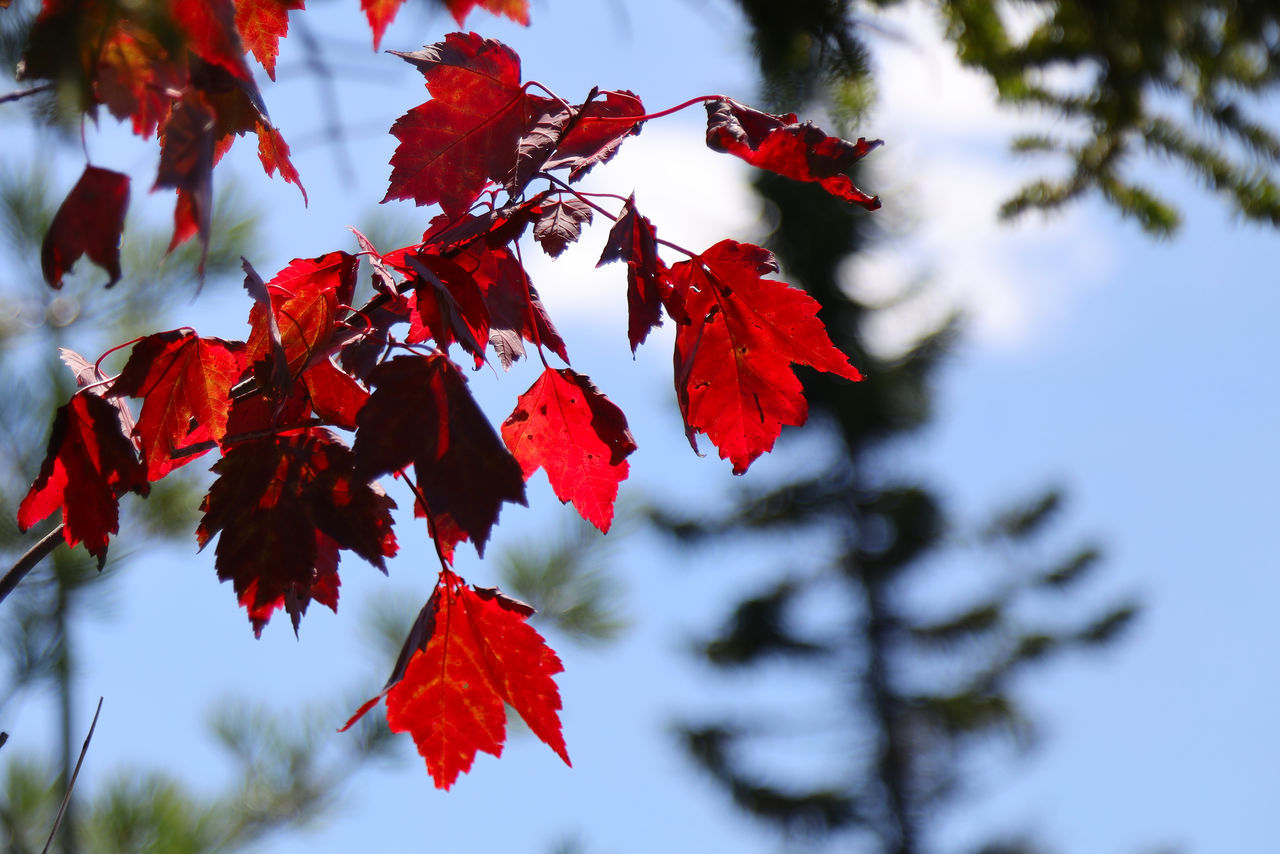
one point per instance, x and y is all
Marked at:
(186, 164)
(516, 312)
(560, 223)
(136, 73)
(516, 10)
(272, 502)
(733, 357)
(422, 413)
(262, 23)
(88, 222)
(597, 132)
(780, 144)
(448, 306)
(305, 298)
(89, 463)
(634, 240)
(474, 128)
(563, 424)
(470, 654)
(210, 28)
(180, 377)
(335, 395)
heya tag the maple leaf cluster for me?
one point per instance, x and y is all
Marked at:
(291, 493)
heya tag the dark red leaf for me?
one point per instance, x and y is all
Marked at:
(634, 240)
(181, 378)
(780, 144)
(136, 73)
(507, 293)
(449, 306)
(88, 374)
(733, 358)
(470, 654)
(210, 28)
(597, 132)
(305, 297)
(563, 424)
(472, 129)
(560, 224)
(422, 413)
(88, 222)
(88, 464)
(186, 164)
(278, 503)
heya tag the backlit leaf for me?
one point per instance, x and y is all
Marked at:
(564, 425)
(88, 465)
(470, 654)
(88, 222)
(733, 374)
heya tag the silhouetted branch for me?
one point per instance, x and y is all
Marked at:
(22, 93)
(29, 561)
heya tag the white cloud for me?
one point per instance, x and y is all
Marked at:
(693, 196)
(942, 174)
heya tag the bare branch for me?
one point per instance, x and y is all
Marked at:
(22, 93)
(29, 561)
(72, 782)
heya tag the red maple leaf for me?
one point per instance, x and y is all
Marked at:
(560, 223)
(89, 464)
(634, 240)
(210, 28)
(733, 357)
(516, 10)
(421, 412)
(137, 70)
(780, 144)
(515, 312)
(279, 503)
(88, 222)
(380, 14)
(306, 299)
(335, 395)
(262, 23)
(473, 129)
(186, 164)
(180, 377)
(563, 424)
(449, 306)
(128, 57)
(596, 133)
(469, 654)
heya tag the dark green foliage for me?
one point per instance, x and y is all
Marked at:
(929, 678)
(1177, 79)
(1122, 82)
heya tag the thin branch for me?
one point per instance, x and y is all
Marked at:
(66, 799)
(22, 93)
(28, 561)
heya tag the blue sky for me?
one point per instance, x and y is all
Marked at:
(1129, 371)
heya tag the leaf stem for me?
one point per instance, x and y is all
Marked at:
(701, 99)
(431, 520)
